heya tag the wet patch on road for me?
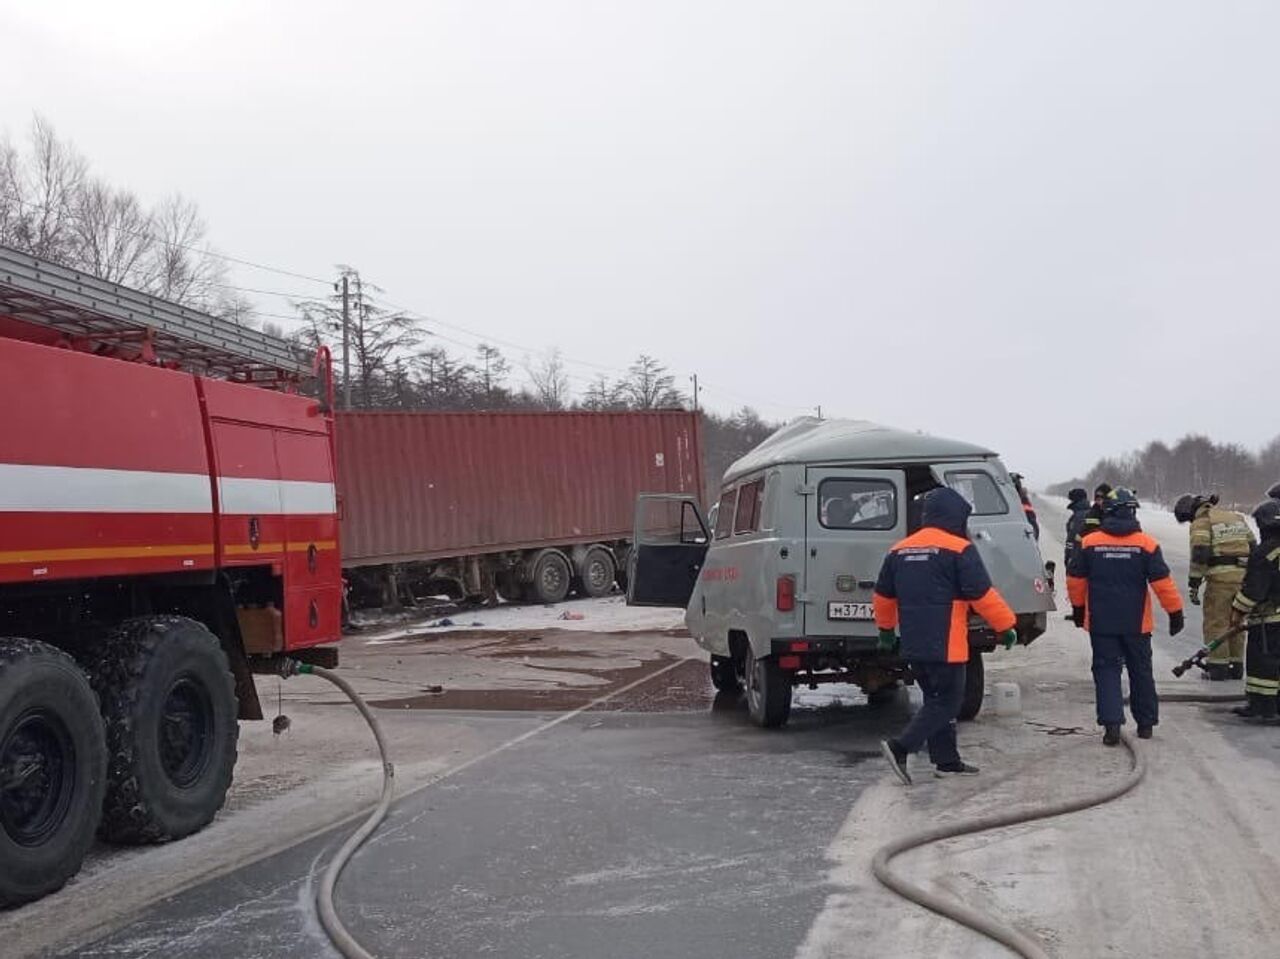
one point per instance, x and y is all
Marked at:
(687, 688)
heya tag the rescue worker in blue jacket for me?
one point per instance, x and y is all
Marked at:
(927, 585)
(1108, 584)
(1077, 507)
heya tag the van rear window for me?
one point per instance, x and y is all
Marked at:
(857, 504)
(980, 490)
(748, 518)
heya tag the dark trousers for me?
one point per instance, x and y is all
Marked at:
(935, 721)
(1262, 674)
(1110, 655)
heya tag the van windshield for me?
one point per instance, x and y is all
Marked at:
(857, 504)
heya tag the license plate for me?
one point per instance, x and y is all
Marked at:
(862, 611)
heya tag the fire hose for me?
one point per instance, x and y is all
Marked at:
(342, 939)
(984, 923)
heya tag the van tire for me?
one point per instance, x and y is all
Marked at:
(768, 692)
(975, 683)
(724, 675)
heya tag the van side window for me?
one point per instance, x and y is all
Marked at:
(724, 516)
(981, 492)
(857, 504)
(748, 516)
(769, 503)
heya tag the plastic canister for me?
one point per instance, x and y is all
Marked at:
(1008, 698)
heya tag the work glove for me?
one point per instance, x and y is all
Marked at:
(1077, 616)
(1176, 622)
(888, 640)
(1193, 593)
(1008, 637)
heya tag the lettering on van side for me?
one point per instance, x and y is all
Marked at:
(720, 574)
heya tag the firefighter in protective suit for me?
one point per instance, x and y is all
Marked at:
(1220, 545)
(1258, 604)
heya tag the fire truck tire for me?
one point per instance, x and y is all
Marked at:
(53, 769)
(169, 705)
(552, 576)
(598, 572)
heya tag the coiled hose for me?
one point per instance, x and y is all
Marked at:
(342, 940)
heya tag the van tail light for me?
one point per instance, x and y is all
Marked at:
(786, 594)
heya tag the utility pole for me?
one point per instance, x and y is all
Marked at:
(819, 409)
(346, 345)
(695, 391)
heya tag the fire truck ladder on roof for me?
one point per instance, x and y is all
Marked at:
(91, 311)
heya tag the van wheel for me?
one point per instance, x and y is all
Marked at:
(598, 572)
(768, 692)
(53, 769)
(551, 578)
(975, 683)
(169, 704)
(724, 675)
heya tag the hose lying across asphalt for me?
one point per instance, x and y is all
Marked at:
(975, 919)
(342, 940)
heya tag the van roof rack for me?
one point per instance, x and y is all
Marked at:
(100, 316)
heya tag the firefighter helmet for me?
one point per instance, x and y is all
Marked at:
(1120, 500)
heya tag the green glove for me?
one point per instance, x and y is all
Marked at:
(887, 641)
(1008, 637)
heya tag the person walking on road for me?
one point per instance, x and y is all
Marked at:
(1095, 514)
(1108, 584)
(1220, 543)
(928, 583)
(1077, 508)
(1258, 604)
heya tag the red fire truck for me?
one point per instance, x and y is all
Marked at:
(168, 526)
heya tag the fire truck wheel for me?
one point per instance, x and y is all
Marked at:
(169, 705)
(598, 572)
(53, 769)
(551, 577)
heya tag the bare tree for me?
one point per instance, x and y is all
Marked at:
(550, 381)
(492, 368)
(51, 185)
(110, 231)
(11, 211)
(181, 267)
(602, 395)
(649, 386)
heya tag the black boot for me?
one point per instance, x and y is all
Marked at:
(1262, 710)
(1217, 672)
(1237, 670)
(1111, 735)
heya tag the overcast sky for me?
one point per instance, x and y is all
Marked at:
(1051, 228)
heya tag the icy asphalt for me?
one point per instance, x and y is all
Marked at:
(692, 834)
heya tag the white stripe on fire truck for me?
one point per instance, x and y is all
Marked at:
(75, 489)
(270, 497)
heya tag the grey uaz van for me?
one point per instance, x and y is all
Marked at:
(779, 592)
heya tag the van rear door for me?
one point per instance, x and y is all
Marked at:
(852, 518)
(670, 546)
(1000, 530)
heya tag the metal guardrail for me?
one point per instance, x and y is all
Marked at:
(82, 306)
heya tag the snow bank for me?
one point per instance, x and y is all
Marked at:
(609, 614)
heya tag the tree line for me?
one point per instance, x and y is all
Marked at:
(1194, 464)
(53, 206)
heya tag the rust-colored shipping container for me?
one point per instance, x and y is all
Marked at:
(417, 487)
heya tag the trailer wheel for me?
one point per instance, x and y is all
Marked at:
(169, 703)
(551, 577)
(724, 675)
(53, 769)
(975, 683)
(598, 572)
(768, 692)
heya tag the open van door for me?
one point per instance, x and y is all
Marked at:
(671, 540)
(999, 529)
